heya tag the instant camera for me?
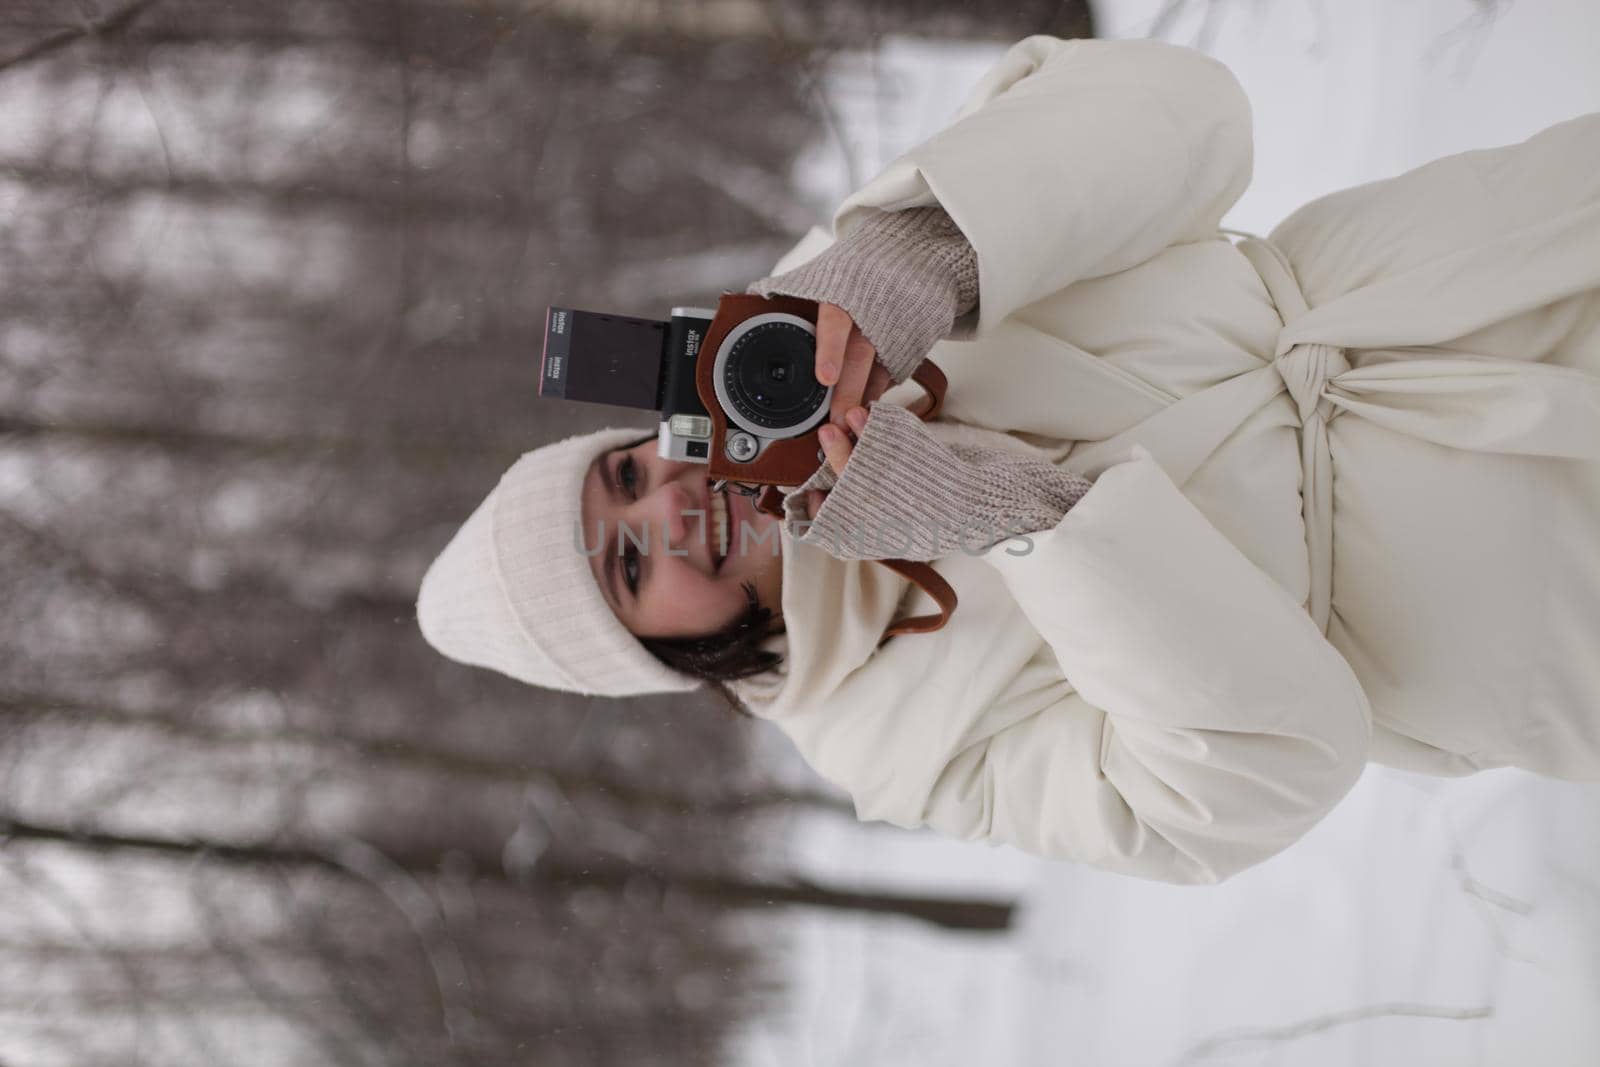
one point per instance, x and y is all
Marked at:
(736, 388)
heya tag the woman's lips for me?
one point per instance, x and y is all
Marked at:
(717, 559)
(741, 513)
(730, 505)
(737, 502)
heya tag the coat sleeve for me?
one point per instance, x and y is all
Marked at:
(1073, 159)
(1212, 723)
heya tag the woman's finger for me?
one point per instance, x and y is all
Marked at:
(859, 358)
(833, 334)
(835, 445)
(878, 382)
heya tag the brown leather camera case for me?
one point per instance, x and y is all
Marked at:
(792, 461)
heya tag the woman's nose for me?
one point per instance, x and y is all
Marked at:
(669, 503)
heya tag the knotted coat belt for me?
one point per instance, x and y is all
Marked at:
(1475, 402)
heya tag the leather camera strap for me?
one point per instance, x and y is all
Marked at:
(927, 407)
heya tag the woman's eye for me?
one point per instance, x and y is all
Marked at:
(630, 478)
(630, 559)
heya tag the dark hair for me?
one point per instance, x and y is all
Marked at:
(724, 655)
(732, 652)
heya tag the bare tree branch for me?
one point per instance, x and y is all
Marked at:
(1229, 1039)
(115, 22)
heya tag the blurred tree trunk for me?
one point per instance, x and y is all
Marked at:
(275, 277)
(600, 874)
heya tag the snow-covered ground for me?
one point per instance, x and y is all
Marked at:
(1427, 920)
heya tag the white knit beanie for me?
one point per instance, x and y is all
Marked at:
(513, 591)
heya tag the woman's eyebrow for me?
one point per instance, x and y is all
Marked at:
(608, 564)
(614, 552)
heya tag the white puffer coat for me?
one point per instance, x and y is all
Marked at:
(1347, 500)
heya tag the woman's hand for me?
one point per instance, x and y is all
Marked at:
(846, 357)
(836, 445)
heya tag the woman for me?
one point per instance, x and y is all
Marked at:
(1316, 499)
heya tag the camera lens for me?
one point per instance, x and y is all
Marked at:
(770, 376)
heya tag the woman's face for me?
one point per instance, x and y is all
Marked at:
(677, 588)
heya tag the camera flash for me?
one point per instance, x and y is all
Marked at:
(691, 426)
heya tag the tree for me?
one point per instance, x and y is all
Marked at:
(274, 277)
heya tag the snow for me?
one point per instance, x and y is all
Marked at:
(1426, 920)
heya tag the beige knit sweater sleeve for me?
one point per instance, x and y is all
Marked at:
(905, 277)
(904, 494)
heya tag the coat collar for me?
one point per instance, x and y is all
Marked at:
(835, 612)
